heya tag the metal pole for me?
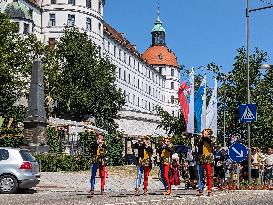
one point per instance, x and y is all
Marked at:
(225, 115)
(248, 86)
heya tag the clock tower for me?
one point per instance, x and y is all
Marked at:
(158, 32)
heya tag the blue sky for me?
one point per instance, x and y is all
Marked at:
(198, 31)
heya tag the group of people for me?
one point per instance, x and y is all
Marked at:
(208, 160)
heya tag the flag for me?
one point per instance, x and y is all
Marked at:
(211, 116)
(190, 125)
(204, 106)
(198, 104)
(183, 92)
(186, 99)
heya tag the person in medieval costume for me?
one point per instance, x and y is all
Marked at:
(165, 150)
(205, 160)
(98, 161)
(144, 163)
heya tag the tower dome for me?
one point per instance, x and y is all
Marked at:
(158, 53)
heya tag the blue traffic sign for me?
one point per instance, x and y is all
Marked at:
(237, 152)
(248, 113)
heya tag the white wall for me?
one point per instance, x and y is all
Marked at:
(137, 70)
(61, 10)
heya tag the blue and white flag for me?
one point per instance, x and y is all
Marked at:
(204, 105)
(212, 111)
(198, 104)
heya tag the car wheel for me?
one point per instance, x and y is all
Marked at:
(8, 184)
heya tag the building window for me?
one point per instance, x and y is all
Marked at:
(138, 101)
(71, 2)
(138, 66)
(124, 76)
(26, 28)
(71, 20)
(108, 46)
(17, 24)
(52, 42)
(99, 8)
(99, 28)
(153, 77)
(134, 99)
(128, 97)
(129, 60)
(129, 78)
(173, 113)
(160, 70)
(146, 104)
(172, 85)
(149, 90)
(119, 73)
(172, 99)
(149, 74)
(53, 1)
(52, 20)
(115, 51)
(119, 54)
(172, 72)
(88, 4)
(124, 59)
(149, 106)
(31, 13)
(138, 83)
(88, 24)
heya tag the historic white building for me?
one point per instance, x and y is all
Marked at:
(148, 80)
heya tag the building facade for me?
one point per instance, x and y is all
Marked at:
(147, 80)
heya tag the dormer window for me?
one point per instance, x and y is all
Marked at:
(160, 56)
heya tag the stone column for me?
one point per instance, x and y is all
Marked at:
(35, 124)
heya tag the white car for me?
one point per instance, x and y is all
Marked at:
(18, 169)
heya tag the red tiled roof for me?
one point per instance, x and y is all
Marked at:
(160, 55)
(109, 30)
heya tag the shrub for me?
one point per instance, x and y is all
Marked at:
(62, 162)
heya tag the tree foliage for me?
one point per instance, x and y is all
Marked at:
(174, 126)
(16, 58)
(233, 92)
(83, 83)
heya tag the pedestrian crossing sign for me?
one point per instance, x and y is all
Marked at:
(248, 113)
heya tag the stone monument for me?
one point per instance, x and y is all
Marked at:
(35, 124)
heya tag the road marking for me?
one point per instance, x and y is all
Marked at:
(132, 202)
(222, 194)
(169, 199)
(142, 201)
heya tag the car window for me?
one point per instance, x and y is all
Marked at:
(26, 156)
(4, 154)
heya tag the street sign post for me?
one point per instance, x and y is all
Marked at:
(248, 113)
(237, 152)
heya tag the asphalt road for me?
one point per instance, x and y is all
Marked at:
(186, 197)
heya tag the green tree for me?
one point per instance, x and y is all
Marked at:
(83, 83)
(16, 58)
(175, 126)
(233, 92)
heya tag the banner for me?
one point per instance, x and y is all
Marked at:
(211, 117)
